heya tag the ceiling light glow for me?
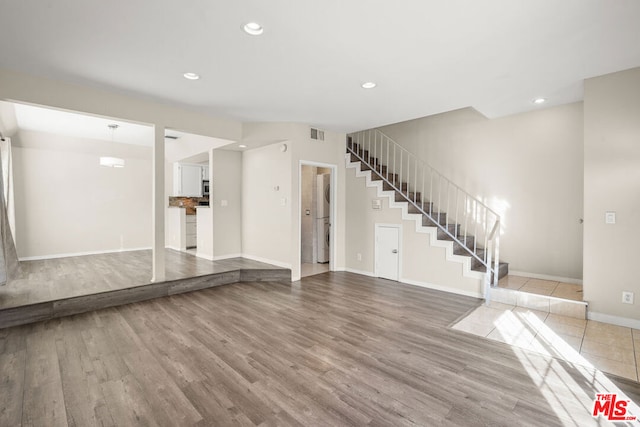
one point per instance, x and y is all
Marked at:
(540, 100)
(191, 76)
(368, 85)
(253, 28)
(242, 146)
(112, 162)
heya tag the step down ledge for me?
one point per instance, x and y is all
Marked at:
(545, 303)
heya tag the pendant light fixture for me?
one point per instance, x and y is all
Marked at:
(112, 162)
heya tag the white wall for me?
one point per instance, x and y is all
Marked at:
(67, 203)
(420, 262)
(612, 183)
(527, 167)
(266, 204)
(226, 184)
(272, 231)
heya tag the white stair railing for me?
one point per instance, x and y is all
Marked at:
(459, 216)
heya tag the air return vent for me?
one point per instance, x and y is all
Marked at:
(317, 134)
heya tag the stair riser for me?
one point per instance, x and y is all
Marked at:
(411, 197)
(379, 173)
(428, 223)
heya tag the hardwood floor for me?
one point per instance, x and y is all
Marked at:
(54, 279)
(332, 349)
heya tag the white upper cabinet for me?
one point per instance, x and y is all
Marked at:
(187, 179)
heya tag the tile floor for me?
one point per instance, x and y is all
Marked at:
(542, 287)
(609, 348)
(311, 269)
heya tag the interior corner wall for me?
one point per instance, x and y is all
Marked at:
(68, 204)
(527, 167)
(612, 183)
(226, 185)
(266, 204)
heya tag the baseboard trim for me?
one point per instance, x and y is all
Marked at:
(67, 255)
(442, 288)
(203, 256)
(360, 272)
(546, 277)
(419, 283)
(614, 320)
(267, 261)
(222, 257)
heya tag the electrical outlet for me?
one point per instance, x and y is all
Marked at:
(359, 257)
(627, 297)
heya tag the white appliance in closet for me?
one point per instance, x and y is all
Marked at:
(323, 209)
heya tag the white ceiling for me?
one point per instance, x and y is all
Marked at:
(23, 117)
(76, 125)
(426, 56)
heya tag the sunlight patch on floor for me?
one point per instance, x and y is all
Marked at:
(590, 347)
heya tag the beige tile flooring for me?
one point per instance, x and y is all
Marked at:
(311, 269)
(542, 287)
(609, 348)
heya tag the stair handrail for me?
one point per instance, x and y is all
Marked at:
(376, 144)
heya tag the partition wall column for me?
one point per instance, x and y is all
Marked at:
(158, 205)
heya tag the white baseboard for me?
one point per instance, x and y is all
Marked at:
(221, 257)
(267, 261)
(546, 277)
(360, 272)
(418, 283)
(442, 288)
(175, 248)
(74, 254)
(614, 320)
(203, 256)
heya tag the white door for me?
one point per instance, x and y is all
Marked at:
(387, 252)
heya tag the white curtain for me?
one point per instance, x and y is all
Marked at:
(7, 180)
(9, 264)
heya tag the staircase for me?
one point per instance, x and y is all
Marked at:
(457, 216)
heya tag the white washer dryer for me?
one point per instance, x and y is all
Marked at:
(323, 196)
(324, 232)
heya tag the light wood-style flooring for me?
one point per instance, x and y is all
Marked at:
(59, 278)
(333, 349)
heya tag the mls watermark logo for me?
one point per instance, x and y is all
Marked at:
(608, 405)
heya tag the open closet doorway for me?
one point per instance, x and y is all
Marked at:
(316, 218)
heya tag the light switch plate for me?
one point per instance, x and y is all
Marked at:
(224, 203)
(610, 217)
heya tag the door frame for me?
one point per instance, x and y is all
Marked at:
(375, 247)
(333, 212)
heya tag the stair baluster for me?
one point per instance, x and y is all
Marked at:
(406, 174)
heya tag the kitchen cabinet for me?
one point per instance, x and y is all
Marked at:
(191, 231)
(187, 179)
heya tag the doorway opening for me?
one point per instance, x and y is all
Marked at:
(316, 218)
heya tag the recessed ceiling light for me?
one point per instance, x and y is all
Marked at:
(242, 146)
(191, 76)
(540, 100)
(368, 85)
(253, 28)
